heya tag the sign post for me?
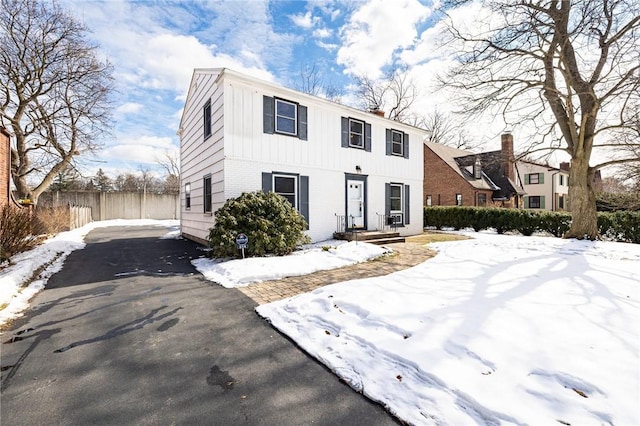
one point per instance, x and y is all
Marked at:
(241, 241)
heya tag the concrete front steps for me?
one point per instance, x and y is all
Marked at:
(373, 237)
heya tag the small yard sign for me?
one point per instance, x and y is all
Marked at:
(241, 241)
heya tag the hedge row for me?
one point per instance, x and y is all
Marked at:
(618, 226)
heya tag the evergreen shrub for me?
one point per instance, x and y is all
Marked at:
(271, 223)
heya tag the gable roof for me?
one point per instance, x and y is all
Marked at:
(492, 176)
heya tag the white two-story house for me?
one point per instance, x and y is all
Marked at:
(339, 166)
(546, 187)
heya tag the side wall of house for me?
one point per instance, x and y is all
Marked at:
(442, 183)
(5, 164)
(201, 156)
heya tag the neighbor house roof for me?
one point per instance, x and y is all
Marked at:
(492, 165)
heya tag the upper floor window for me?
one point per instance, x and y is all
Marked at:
(284, 117)
(534, 178)
(206, 112)
(397, 143)
(356, 134)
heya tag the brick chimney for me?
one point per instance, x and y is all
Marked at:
(507, 156)
(377, 111)
(565, 166)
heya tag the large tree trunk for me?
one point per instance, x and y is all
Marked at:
(584, 224)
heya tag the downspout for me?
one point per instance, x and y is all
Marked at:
(553, 191)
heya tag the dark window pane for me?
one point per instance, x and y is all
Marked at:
(285, 125)
(284, 185)
(285, 109)
(396, 191)
(396, 204)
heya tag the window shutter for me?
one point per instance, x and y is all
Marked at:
(405, 146)
(345, 132)
(526, 202)
(387, 199)
(526, 180)
(367, 137)
(407, 205)
(541, 175)
(304, 198)
(266, 182)
(302, 122)
(268, 114)
(542, 202)
(388, 132)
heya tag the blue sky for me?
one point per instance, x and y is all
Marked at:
(155, 45)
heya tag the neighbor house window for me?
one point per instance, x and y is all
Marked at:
(428, 200)
(206, 193)
(561, 180)
(458, 199)
(286, 186)
(561, 202)
(356, 133)
(187, 196)
(284, 117)
(482, 200)
(397, 143)
(534, 202)
(534, 178)
(206, 112)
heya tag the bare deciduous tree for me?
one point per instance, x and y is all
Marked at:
(171, 164)
(570, 68)
(312, 82)
(445, 130)
(54, 91)
(394, 94)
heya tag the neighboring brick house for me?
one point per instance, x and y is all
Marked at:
(5, 167)
(547, 187)
(456, 177)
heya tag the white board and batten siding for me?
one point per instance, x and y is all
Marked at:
(240, 155)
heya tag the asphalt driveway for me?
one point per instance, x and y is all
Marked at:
(128, 332)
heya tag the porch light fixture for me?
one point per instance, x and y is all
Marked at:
(358, 169)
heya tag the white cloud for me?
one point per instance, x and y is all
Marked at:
(327, 46)
(322, 32)
(130, 108)
(305, 21)
(375, 31)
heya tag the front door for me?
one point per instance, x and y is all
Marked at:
(355, 204)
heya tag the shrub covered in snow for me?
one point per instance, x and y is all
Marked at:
(270, 222)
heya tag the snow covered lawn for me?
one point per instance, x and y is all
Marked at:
(494, 330)
(316, 257)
